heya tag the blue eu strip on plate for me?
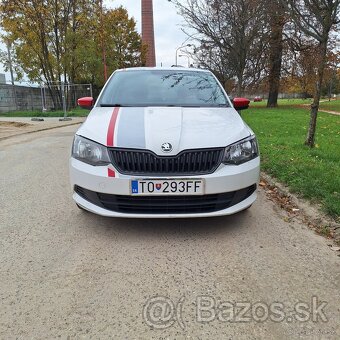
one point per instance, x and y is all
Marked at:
(134, 187)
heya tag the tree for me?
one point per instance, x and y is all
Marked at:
(331, 80)
(123, 45)
(300, 69)
(315, 18)
(277, 19)
(233, 31)
(216, 59)
(58, 41)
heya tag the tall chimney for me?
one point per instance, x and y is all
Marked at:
(148, 35)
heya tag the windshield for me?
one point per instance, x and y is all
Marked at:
(163, 88)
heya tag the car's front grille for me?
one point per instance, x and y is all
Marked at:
(145, 162)
(166, 204)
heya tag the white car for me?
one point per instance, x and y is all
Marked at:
(164, 142)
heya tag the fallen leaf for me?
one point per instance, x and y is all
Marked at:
(262, 184)
(335, 248)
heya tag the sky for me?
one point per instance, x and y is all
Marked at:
(167, 23)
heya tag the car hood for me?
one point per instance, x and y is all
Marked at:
(150, 127)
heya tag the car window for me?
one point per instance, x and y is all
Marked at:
(163, 88)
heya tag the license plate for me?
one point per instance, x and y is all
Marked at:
(167, 187)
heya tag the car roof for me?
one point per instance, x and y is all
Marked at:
(186, 69)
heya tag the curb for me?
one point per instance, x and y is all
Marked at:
(39, 130)
(300, 208)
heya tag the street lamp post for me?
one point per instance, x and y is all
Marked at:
(185, 55)
(178, 48)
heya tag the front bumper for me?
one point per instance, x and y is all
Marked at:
(226, 179)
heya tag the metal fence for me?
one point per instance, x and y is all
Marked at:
(45, 97)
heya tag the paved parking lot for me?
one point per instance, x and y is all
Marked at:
(70, 274)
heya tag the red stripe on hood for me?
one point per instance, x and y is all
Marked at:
(111, 129)
(110, 139)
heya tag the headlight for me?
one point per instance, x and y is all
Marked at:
(89, 152)
(242, 151)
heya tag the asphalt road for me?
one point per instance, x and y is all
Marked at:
(69, 274)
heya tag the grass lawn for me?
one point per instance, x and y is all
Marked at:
(311, 173)
(77, 112)
(283, 102)
(333, 105)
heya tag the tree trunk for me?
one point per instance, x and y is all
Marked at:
(310, 140)
(239, 85)
(275, 53)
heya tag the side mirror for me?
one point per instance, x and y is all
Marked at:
(86, 102)
(241, 103)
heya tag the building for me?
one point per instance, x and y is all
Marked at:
(148, 34)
